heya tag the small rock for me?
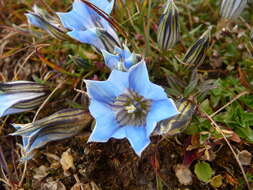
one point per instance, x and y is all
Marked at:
(245, 157)
(40, 172)
(183, 174)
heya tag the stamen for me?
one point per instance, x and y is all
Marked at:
(131, 108)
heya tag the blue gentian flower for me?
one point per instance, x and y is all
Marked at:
(122, 59)
(128, 105)
(20, 96)
(87, 26)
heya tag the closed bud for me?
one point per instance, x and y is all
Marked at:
(42, 19)
(196, 54)
(20, 96)
(62, 124)
(169, 29)
(231, 9)
(109, 41)
(178, 123)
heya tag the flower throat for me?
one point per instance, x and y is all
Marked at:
(131, 108)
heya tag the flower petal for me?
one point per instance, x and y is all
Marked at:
(120, 133)
(161, 109)
(71, 21)
(79, 18)
(104, 5)
(8, 100)
(139, 82)
(137, 138)
(111, 60)
(89, 36)
(36, 21)
(99, 109)
(107, 91)
(104, 129)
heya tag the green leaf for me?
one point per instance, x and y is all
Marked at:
(203, 171)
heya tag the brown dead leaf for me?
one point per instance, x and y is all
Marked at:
(87, 186)
(80, 186)
(40, 172)
(67, 160)
(183, 174)
(90, 55)
(245, 157)
(53, 185)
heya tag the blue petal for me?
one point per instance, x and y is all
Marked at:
(43, 139)
(161, 109)
(79, 18)
(105, 127)
(139, 82)
(110, 60)
(107, 91)
(36, 21)
(126, 52)
(130, 61)
(8, 100)
(120, 133)
(104, 5)
(99, 109)
(71, 21)
(14, 110)
(89, 36)
(139, 79)
(137, 138)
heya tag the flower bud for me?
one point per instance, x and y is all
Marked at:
(20, 96)
(178, 123)
(169, 29)
(47, 22)
(62, 124)
(196, 54)
(231, 9)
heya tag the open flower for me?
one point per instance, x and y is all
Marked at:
(87, 26)
(128, 105)
(60, 125)
(20, 96)
(122, 59)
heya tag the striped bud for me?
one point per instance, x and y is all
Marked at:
(169, 29)
(62, 124)
(196, 54)
(178, 123)
(20, 96)
(231, 9)
(42, 19)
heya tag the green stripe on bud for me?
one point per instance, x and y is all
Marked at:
(231, 9)
(169, 29)
(196, 54)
